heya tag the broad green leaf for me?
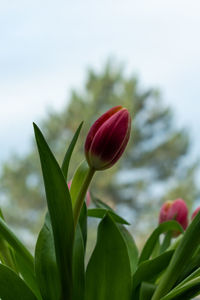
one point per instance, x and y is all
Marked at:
(131, 247)
(65, 165)
(152, 240)
(78, 180)
(149, 270)
(12, 287)
(6, 255)
(16, 244)
(60, 211)
(183, 253)
(108, 274)
(46, 267)
(146, 291)
(78, 265)
(185, 291)
(101, 212)
(17, 257)
(28, 275)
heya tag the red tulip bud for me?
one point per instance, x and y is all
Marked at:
(174, 210)
(88, 197)
(195, 212)
(107, 138)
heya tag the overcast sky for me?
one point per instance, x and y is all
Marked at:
(46, 47)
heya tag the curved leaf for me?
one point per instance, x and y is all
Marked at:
(12, 287)
(152, 240)
(6, 252)
(16, 244)
(101, 212)
(131, 247)
(28, 275)
(60, 211)
(146, 291)
(185, 291)
(65, 165)
(108, 274)
(149, 270)
(100, 204)
(46, 267)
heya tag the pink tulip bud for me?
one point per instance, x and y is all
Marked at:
(174, 210)
(195, 212)
(88, 197)
(107, 138)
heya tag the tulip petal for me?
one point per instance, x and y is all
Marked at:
(110, 140)
(97, 125)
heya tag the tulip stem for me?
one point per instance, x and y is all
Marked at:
(81, 195)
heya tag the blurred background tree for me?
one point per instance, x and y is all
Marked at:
(155, 166)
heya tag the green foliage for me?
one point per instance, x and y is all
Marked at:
(60, 211)
(46, 269)
(13, 287)
(154, 237)
(110, 258)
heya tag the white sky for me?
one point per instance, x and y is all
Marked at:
(46, 47)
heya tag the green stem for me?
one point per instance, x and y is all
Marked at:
(81, 195)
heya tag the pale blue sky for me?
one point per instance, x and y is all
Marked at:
(46, 46)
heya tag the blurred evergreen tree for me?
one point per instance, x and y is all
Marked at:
(155, 165)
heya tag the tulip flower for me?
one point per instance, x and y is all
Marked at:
(195, 212)
(174, 210)
(107, 138)
(88, 197)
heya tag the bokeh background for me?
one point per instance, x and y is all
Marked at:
(62, 62)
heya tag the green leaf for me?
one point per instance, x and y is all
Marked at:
(149, 270)
(16, 244)
(12, 287)
(65, 165)
(6, 254)
(17, 257)
(60, 211)
(146, 291)
(78, 180)
(100, 204)
(185, 291)
(131, 247)
(192, 265)
(83, 224)
(166, 242)
(101, 212)
(28, 275)
(193, 275)
(78, 265)
(108, 274)
(183, 253)
(45, 265)
(152, 240)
